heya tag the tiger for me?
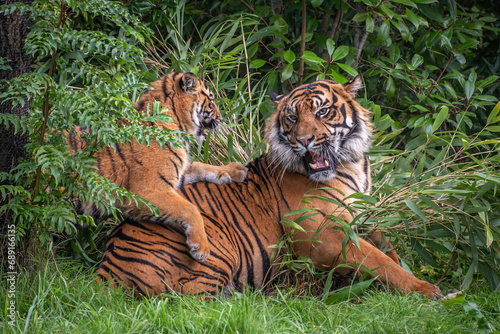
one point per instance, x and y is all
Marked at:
(156, 171)
(318, 138)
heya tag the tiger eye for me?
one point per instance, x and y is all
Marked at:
(323, 112)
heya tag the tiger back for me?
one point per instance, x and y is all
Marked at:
(155, 172)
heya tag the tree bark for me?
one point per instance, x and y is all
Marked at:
(13, 31)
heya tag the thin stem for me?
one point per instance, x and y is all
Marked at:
(248, 79)
(302, 41)
(46, 103)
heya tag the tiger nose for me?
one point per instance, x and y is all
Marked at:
(305, 141)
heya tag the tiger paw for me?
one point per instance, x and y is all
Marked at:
(198, 252)
(430, 290)
(235, 172)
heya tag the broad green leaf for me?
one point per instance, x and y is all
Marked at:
(289, 56)
(337, 77)
(256, 63)
(443, 114)
(412, 17)
(460, 58)
(469, 89)
(348, 69)
(311, 57)
(316, 3)
(287, 72)
(340, 52)
(383, 32)
(330, 46)
(360, 17)
(390, 87)
(394, 53)
(386, 10)
(417, 60)
(370, 26)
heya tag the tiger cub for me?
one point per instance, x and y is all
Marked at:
(155, 172)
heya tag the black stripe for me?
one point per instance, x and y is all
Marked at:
(166, 181)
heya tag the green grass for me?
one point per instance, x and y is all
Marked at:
(65, 299)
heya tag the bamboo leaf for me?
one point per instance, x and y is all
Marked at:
(443, 114)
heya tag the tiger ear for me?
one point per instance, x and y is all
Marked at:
(353, 86)
(275, 97)
(188, 82)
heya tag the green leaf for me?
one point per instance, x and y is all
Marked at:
(349, 292)
(443, 114)
(292, 224)
(340, 52)
(289, 56)
(256, 63)
(348, 69)
(417, 60)
(493, 115)
(299, 211)
(370, 26)
(412, 18)
(311, 57)
(386, 10)
(330, 46)
(287, 72)
(383, 32)
(413, 207)
(493, 128)
(394, 53)
(469, 89)
(316, 3)
(390, 87)
(360, 17)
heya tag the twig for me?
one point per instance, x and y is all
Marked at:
(360, 50)
(302, 41)
(247, 5)
(248, 79)
(447, 267)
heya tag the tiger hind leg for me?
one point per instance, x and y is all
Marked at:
(175, 210)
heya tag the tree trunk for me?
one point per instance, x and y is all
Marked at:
(13, 31)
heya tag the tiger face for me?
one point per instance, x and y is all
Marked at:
(317, 127)
(204, 112)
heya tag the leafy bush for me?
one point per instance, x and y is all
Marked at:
(88, 73)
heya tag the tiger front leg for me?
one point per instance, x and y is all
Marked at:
(200, 172)
(176, 210)
(328, 254)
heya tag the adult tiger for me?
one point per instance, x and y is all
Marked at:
(318, 137)
(155, 172)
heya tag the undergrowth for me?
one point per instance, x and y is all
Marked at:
(65, 298)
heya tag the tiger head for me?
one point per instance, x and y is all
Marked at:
(204, 112)
(187, 99)
(317, 127)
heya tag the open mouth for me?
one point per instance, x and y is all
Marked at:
(315, 163)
